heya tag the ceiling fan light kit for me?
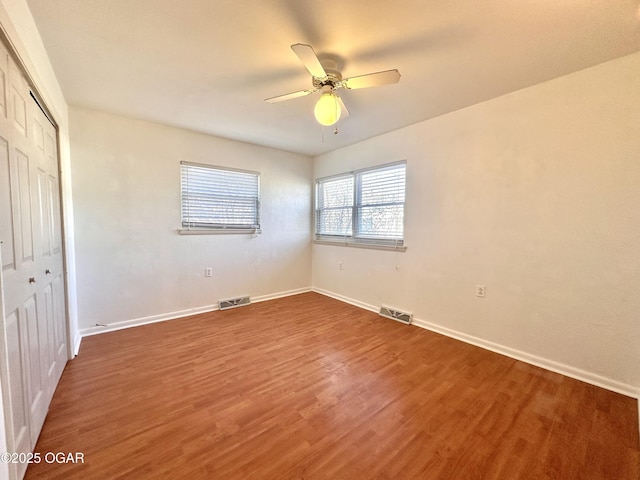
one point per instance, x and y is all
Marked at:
(330, 107)
(327, 110)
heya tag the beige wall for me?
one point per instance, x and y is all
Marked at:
(536, 195)
(132, 264)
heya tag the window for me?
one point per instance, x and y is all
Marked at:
(219, 199)
(362, 207)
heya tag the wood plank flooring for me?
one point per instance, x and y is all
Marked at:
(306, 387)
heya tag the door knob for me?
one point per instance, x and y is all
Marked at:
(47, 271)
(32, 280)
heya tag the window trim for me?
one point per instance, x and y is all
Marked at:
(222, 229)
(354, 240)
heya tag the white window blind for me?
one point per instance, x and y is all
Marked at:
(380, 202)
(219, 198)
(335, 206)
(365, 206)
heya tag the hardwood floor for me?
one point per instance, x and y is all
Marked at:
(306, 387)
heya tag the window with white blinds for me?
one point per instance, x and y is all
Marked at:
(219, 198)
(334, 213)
(365, 206)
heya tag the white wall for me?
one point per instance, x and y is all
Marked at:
(536, 195)
(131, 262)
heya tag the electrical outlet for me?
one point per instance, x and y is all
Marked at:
(340, 265)
(208, 272)
(480, 291)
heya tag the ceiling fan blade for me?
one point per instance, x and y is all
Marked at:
(289, 96)
(309, 59)
(343, 107)
(372, 79)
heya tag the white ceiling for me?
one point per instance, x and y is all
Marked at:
(208, 65)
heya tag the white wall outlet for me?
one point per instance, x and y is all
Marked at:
(340, 265)
(208, 272)
(480, 291)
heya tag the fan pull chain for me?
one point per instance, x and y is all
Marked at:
(335, 131)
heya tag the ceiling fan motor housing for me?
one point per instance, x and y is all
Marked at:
(332, 79)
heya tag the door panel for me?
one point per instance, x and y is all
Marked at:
(44, 199)
(22, 186)
(35, 388)
(56, 221)
(6, 224)
(50, 149)
(59, 330)
(46, 330)
(37, 134)
(19, 102)
(4, 75)
(19, 413)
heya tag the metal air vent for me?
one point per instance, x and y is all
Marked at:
(397, 315)
(234, 302)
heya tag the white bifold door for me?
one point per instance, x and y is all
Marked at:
(33, 336)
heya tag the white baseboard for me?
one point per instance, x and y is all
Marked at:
(286, 293)
(553, 366)
(76, 343)
(342, 298)
(162, 317)
(563, 369)
(135, 322)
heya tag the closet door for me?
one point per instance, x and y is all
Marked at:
(34, 328)
(50, 280)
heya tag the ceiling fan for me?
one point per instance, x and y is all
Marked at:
(327, 79)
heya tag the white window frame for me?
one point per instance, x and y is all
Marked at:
(355, 238)
(189, 226)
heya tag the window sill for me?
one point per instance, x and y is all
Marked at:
(371, 246)
(219, 231)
